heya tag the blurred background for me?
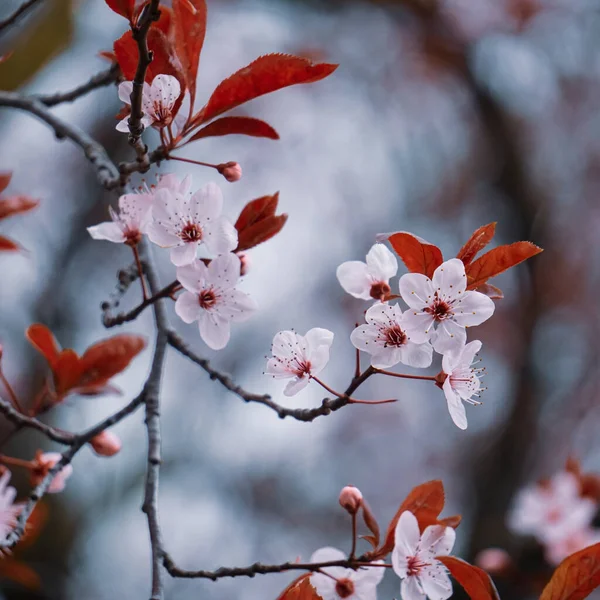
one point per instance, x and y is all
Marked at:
(443, 116)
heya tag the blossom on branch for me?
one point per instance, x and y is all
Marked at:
(212, 299)
(441, 307)
(558, 550)
(369, 280)
(387, 340)
(461, 380)
(334, 583)
(414, 559)
(299, 357)
(129, 224)
(183, 222)
(9, 510)
(158, 101)
(43, 462)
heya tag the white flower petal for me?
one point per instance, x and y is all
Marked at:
(109, 231)
(220, 236)
(438, 540)
(318, 336)
(411, 590)
(382, 263)
(436, 583)
(183, 254)
(236, 306)
(319, 359)
(449, 336)
(296, 385)
(355, 279)
(207, 202)
(406, 535)
(123, 125)
(224, 271)
(449, 279)
(416, 290)
(473, 309)
(161, 236)
(455, 406)
(385, 358)
(214, 330)
(193, 276)
(364, 338)
(418, 325)
(277, 369)
(187, 307)
(416, 355)
(125, 89)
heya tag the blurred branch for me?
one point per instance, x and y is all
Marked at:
(15, 16)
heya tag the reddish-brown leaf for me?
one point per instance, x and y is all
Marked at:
(260, 232)
(42, 339)
(165, 20)
(126, 53)
(576, 577)
(300, 589)
(453, 521)
(426, 502)
(189, 26)
(478, 241)
(266, 74)
(124, 8)
(491, 291)
(19, 572)
(257, 209)
(370, 522)
(475, 581)
(5, 178)
(67, 372)
(497, 261)
(418, 255)
(7, 245)
(237, 125)
(16, 205)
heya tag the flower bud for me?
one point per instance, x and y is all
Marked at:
(351, 499)
(493, 560)
(244, 263)
(106, 443)
(43, 462)
(231, 171)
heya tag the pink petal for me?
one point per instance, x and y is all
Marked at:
(214, 330)
(184, 254)
(187, 307)
(449, 279)
(382, 263)
(416, 290)
(354, 279)
(108, 231)
(220, 236)
(455, 406)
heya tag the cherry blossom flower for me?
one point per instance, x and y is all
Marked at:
(231, 171)
(413, 559)
(182, 222)
(158, 101)
(9, 510)
(462, 380)
(129, 224)
(493, 560)
(212, 299)
(171, 182)
(42, 464)
(386, 339)
(369, 280)
(351, 499)
(441, 307)
(553, 510)
(299, 357)
(558, 550)
(341, 582)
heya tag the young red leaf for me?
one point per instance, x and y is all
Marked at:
(576, 577)
(237, 125)
(67, 371)
(16, 205)
(300, 589)
(126, 54)
(475, 581)
(260, 232)
(453, 521)
(266, 74)
(5, 178)
(7, 245)
(258, 209)
(189, 25)
(42, 339)
(491, 291)
(478, 241)
(426, 502)
(418, 255)
(497, 261)
(370, 522)
(124, 8)
(165, 21)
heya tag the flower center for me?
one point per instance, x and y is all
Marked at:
(415, 565)
(439, 309)
(395, 336)
(554, 515)
(191, 232)
(207, 299)
(132, 237)
(302, 368)
(344, 588)
(380, 290)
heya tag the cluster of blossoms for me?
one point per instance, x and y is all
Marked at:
(556, 513)
(439, 311)
(173, 217)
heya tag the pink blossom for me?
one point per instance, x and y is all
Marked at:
(441, 307)
(552, 511)
(341, 582)
(413, 559)
(462, 380)
(171, 182)
(43, 463)
(386, 339)
(212, 299)
(558, 550)
(182, 223)
(299, 357)
(106, 443)
(158, 101)
(493, 560)
(9, 510)
(231, 171)
(369, 280)
(351, 498)
(129, 224)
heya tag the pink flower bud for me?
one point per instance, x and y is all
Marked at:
(42, 464)
(106, 443)
(231, 171)
(351, 499)
(493, 560)
(244, 263)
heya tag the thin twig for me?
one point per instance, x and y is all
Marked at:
(17, 14)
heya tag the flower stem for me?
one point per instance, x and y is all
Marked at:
(405, 375)
(16, 462)
(11, 392)
(138, 262)
(193, 162)
(324, 385)
(353, 550)
(389, 401)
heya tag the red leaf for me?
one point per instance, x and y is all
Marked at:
(42, 339)
(258, 209)
(418, 255)
(260, 232)
(370, 522)
(576, 577)
(453, 521)
(189, 22)
(16, 205)
(266, 74)
(237, 125)
(7, 245)
(300, 589)
(124, 8)
(126, 53)
(497, 261)
(5, 178)
(491, 291)
(165, 21)
(475, 581)
(426, 502)
(20, 573)
(478, 241)
(67, 372)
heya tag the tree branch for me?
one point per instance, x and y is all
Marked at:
(15, 16)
